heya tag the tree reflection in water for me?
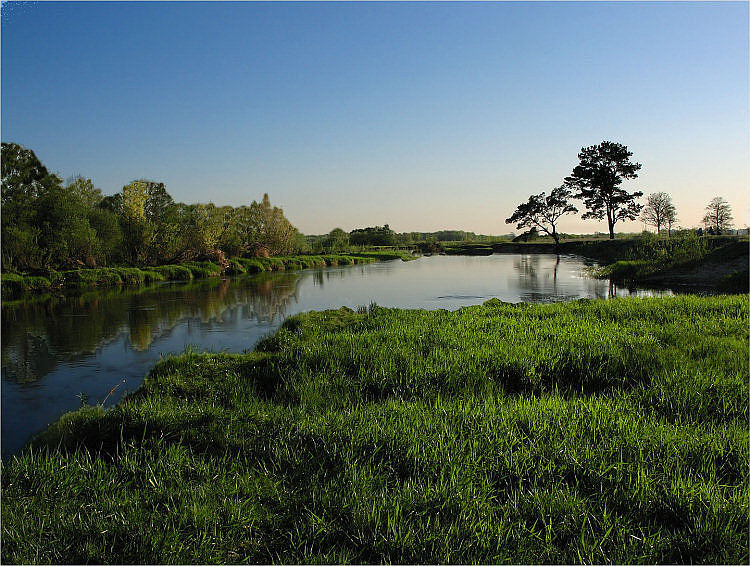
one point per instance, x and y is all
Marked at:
(39, 334)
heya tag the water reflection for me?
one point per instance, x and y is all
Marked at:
(57, 347)
(37, 335)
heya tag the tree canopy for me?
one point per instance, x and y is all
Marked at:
(597, 178)
(47, 224)
(659, 211)
(718, 215)
(543, 212)
(373, 236)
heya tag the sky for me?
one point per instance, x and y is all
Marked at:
(424, 116)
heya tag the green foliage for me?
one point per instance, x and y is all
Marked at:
(203, 269)
(174, 272)
(650, 257)
(384, 255)
(595, 431)
(336, 241)
(236, 267)
(23, 175)
(46, 224)
(373, 236)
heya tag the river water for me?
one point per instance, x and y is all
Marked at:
(57, 350)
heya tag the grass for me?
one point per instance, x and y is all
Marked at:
(15, 285)
(592, 431)
(718, 262)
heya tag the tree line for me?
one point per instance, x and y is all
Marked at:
(338, 240)
(597, 180)
(51, 224)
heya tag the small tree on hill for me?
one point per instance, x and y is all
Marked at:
(659, 211)
(718, 215)
(597, 178)
(543, 212)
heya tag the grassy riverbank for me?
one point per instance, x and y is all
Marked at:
(593, 431)
(709, 262)
(14, 285)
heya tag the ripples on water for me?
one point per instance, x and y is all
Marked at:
(54, 349)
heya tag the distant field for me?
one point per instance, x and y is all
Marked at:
(592, 431)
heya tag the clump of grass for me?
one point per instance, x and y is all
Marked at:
(203, 269)
(384, 255)
(174, 272)
(594, 431)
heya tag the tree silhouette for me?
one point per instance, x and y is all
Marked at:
(718, 215)
(597, 179)
(543, 212)
(659, 211)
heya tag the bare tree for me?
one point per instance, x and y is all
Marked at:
(659, 211)
(719, 215)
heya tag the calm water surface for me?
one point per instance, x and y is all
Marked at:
(55, 350)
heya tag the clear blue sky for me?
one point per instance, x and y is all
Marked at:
(421, 115)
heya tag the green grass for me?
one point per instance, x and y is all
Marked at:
(592, 431)
(713, 259)
(384, 255)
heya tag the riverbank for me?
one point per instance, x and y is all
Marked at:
(711, 264)
(707, 262)
(14, 285)
(591, 431)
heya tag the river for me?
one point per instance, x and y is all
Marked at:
(60, 350)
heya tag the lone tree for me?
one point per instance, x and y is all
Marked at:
(719, 215)
(659, 211)
(597, 179)
(543, 212)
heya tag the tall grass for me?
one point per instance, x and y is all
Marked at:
(594, 431)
